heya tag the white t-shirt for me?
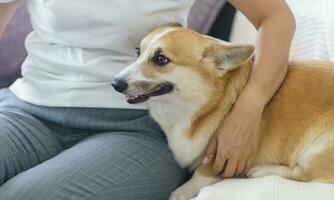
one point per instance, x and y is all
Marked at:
(78, 46)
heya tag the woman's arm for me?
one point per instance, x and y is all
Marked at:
(6, 13)
(236, 140)
(276, 25)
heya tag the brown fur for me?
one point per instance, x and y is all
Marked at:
(301, 111)
(220, 103)
(172, 50)
(297, 126)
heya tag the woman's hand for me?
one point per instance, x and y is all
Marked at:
(234, 145)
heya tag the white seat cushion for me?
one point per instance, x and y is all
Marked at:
(266, 188)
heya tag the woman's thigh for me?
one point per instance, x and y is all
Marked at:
(115, 166)
(24, 142)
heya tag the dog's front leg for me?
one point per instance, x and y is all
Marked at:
(202, 177)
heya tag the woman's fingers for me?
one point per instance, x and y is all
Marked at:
(241, 167)
(211, 150)
(219, 164)
(249, 163)
(230, 168)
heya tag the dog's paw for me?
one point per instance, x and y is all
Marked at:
(256, 171)
(178, 196)
(182, 193)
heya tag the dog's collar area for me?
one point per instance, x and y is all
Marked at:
(159, 90)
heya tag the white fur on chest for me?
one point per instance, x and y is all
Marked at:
(175, 119)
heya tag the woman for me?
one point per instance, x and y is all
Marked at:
(65, 134)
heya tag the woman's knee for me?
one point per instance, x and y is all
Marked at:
(108, 166)
(21, 133)
(23, 143)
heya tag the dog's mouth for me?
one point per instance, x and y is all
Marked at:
(161, 89)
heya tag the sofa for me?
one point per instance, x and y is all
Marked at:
(212, 17)
(215, 18)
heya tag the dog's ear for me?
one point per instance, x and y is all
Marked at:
(228, 58)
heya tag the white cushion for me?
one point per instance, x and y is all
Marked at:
(314, 37)
(266, 188)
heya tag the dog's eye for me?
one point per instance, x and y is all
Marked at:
(137, 51)
(160, 60)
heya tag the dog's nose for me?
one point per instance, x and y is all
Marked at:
(119, 85)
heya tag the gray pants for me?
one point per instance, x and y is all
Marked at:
(82, 154)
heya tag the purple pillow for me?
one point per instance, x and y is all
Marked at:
(203, 14)
(12, 50)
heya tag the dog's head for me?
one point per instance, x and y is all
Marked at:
(174, 61)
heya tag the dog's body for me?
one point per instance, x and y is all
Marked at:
(191, 96)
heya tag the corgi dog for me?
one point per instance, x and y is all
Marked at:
(190, 83)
